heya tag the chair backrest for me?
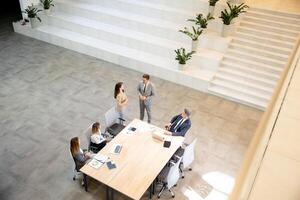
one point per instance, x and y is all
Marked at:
(88, 133)
(188, 155)
(75, 163)
(173, 175)
(111, 116)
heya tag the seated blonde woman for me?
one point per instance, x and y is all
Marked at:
(98, 141)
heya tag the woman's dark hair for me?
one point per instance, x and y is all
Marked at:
(117, 89)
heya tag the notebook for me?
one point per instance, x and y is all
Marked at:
(95, 164)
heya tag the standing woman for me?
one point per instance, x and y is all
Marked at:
(121, 98)
(79, 156)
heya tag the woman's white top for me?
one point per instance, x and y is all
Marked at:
(97, 138)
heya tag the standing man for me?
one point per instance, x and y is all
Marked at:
(146, 92)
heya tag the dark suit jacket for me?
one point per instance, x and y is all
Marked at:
(182, 129)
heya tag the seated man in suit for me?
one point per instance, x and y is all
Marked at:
(179, 124)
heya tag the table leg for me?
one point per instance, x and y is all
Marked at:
(153, 187)
(85, 182)
(150, 191)
(109, 193)
(112, 194)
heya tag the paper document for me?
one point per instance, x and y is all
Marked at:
(101, 158)
(95, 164)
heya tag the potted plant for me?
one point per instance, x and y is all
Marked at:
(212, 4)
(32, 13)
(226, 18)
(194, 35)
(201, 21)
(182, 57)
(47, 4)
(236, 10)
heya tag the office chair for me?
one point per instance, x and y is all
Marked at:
(112, 126)
(77, 172)
(171, 179)
(187, 158)
(87, 133)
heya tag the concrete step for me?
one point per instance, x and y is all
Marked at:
(147, 9)
(290, 15)
(189, 5)
(253, 64)
(266, 34)
(262, 39)
(257, 58)
(259, 52)
(130, 58)
(114, 34)
(246, 77)
(257, 72)
(266, 47)
(269, 28)
(281, 25)
(242, 83)
(268, 16)
(237, 96)
(123, 19)
(206, 59)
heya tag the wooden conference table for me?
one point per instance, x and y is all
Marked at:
(140, 161)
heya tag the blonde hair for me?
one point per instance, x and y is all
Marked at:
(74, 145)
(95, 127)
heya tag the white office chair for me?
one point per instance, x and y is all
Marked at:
(188, 157)
(171, 179)
(113, 122)
(87, 133)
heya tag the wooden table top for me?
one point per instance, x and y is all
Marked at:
(141, 159)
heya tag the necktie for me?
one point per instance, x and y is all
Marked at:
(178, 124)
(144, 90)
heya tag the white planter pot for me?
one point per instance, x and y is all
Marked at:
(47, 12)
(182, 67)
(227, 30)
(195, 45)
(211, 10)
(204, 30)
(34, 22)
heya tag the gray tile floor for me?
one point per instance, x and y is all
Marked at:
(49, 94)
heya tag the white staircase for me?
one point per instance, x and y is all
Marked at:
(138, 34)
(256, 57)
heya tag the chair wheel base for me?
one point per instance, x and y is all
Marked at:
(158, 197)
(190, 169)
(182, 177)
(173, 196)
(74, 178)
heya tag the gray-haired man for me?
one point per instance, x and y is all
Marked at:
(146, 91)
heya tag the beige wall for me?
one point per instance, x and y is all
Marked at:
(279, 175)
(279, 5)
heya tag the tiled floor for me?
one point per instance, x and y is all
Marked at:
(49, 94)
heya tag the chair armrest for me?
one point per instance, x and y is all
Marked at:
(121, 119)
(172, 163)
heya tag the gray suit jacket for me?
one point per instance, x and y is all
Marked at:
(149, 92)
